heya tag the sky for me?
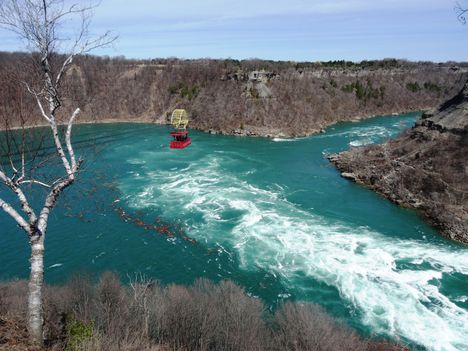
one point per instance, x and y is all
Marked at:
(296, 30)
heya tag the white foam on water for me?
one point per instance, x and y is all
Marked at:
(270, 233)
(360, 142)
(136, 161)
(280, 140)
(371, 133)
(56, 265)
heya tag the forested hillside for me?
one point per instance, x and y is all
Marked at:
(235, 97)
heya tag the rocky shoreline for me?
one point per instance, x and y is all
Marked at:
(247, 131)
(426, 168)
(265, 132)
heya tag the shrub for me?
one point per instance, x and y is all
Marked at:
(308, 327)
(184, 90)
(364, 92)
(254, 92)
(147, 316)
(78, 333)
(413, 87)
(432, 87)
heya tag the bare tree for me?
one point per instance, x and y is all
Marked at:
(39, 23)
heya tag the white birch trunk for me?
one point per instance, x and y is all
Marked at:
(35, 316)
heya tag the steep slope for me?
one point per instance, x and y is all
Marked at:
(425, 168)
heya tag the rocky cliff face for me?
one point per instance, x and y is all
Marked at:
(425, 168)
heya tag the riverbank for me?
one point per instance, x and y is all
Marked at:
(252, 131)
(425, 168)
(248, 131)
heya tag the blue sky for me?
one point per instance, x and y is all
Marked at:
(297, 30)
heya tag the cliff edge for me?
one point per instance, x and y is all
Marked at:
(425, 168)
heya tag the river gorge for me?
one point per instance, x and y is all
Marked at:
(273, 215)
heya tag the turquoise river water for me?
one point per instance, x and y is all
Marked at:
(271, 214)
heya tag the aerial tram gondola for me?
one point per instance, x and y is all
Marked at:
(179, 121)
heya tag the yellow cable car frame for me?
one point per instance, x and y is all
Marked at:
(179, 119)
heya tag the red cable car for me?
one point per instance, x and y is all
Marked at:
(179, 121)
(181, 140)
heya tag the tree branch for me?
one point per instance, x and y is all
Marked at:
(461, 12)
(38, 100)
(15, 215)
(52, 197)
(65, 64)
(68, 139)
(21, 197)
(33, 181)
(59, 148)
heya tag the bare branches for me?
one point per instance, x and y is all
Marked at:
(15, 187)
(50, 202)
(59, 148)
(38, 23)
(15, 215)
(68, 140)
(33, 181)
(461, 12)
(41, 108)
(65, 64)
